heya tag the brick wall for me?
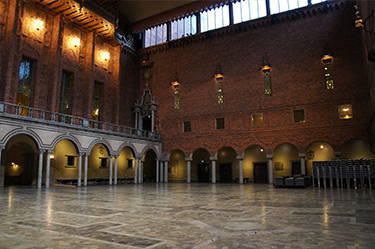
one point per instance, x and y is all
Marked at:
(294, 43)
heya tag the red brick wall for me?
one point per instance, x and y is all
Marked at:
(52, 50)
(294, 44)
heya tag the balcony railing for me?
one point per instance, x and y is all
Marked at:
(69, 121)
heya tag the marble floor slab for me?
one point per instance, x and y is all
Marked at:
(180, 215)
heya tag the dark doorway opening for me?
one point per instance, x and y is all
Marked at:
(260, 173)
(296, 168)
(225, 172)
(147, 123)
(203, 173)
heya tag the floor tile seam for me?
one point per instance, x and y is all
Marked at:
(80, 237)
(107, 230)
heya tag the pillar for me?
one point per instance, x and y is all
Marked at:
(140, 170)
(157, 170)
(110, 169)
(40, 168)
(79, 169)
(2, 170)
(161, 170)
(153, 109)
(135, 169)
(48, 168)
(86, 169)
(115, 171)
(337, 154)
(303, 164)
(213, 168)
(270, 168)
(188, 169)
(166, 170)
(240, 166)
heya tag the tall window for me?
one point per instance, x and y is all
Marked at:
(96, 101)
(215, 18)
(66, 80)
(219, 89)
(176, 87)
(249, 10)
(156, 35)
(184, 27)
(277, 6)
(25, 82)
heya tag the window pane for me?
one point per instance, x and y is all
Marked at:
(153, 36)
(174, 30)
(236, 12)
(293, 4)
(181, 28)
(187, 26)
(194, 24)
(317, 1)
(164, 27)
(274, 6)
(147, 38)
(204, 26)
(211, 19)
(262, 8)
(302, 3)
(219, 17)
(254, 9)
(245, 11)
(226, 15)
(284, 5)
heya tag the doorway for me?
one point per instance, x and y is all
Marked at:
(225, 172)
(260, 173)
(147, 123)
(203, 173)
(296, 168)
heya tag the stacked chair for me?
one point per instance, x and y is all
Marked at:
(345, 173)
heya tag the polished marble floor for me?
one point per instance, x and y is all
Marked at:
(179, 215)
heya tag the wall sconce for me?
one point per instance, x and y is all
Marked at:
(15, 165)
(266, 69)
(52, 156)
(345, 111)
(176, 85)
(358, 18)
(38, 24)
(327, 61)
(76, 41)
(105, 56)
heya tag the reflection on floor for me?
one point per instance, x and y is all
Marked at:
(186, 216)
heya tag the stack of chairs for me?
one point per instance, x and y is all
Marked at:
(345, 173)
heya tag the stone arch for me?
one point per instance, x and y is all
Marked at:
(356, 149)
(255, 164)
(201, 165)
(72, 139)
(127, 144)
(177, 165)
(101, 141)
(285, 158)
(20, 158)
(150, 147)
(227, 164)
(38, 141)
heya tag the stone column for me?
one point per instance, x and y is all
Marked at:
(135, 169)
(166, 170)
(337, 154)
(270, 168)
(161, 170)
(79, 169)
(213, 169)
(140, 171)
(303, 165)
(48, 168)
(110, 169)
(157, 170)
(137, 111)
(2, 170)
(115, 171)
(86, 169)
(240, 166)
(188, 169)
(40, 168)
(153, 109)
